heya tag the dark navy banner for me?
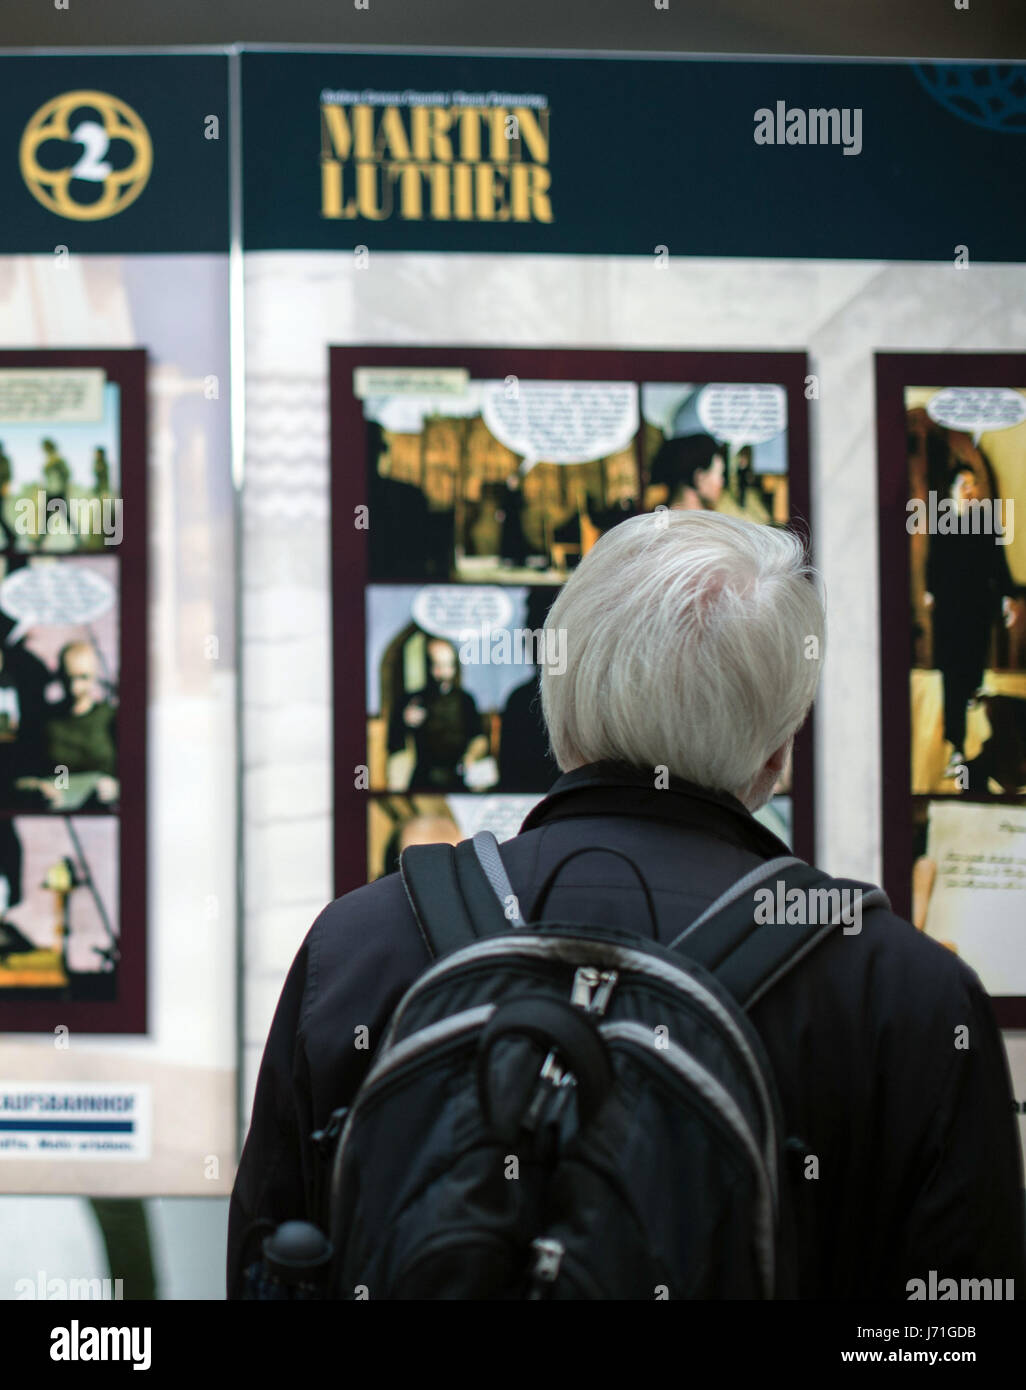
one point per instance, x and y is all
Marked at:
(114, 154)
(861, 160)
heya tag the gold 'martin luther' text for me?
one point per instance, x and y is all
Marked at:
(436, 162)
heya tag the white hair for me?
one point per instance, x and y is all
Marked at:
(693, 642)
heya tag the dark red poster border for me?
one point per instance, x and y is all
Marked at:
(896, 371)
(127, 1012)
(350, 546)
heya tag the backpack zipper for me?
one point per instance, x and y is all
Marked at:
(548, 1259)
(592, 988)
(590, 992)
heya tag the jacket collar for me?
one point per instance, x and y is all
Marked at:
(616, 789)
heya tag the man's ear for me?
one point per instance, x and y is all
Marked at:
(761, 787)
(777, 761)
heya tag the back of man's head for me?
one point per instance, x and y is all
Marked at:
(693, 642)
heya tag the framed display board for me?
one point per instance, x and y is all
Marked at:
(952, 483)
(73, 687)
(466, 486)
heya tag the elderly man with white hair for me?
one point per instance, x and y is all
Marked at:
(693, 646)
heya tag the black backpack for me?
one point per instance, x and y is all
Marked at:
(565, 1111)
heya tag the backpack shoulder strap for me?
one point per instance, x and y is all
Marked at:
(748, 952)
(459, 895)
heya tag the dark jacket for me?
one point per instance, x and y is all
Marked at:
(919, 1163)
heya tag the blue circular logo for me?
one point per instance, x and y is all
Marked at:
(991, 95)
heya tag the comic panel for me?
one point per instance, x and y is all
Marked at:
(396, 822)
(967, 589)
(59, 682)
(60, 460)
(717, 446)
(495, 481)
(59, 933)
(453, 703)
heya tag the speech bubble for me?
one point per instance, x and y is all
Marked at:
(743, 413)
(51, 395)
(54, 595)
(975, 409)
(561, 421)
(456, 611)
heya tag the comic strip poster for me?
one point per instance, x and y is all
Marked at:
(467, 485)
(72, 691)
(952, 448)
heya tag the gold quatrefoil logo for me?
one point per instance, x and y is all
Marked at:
(104, 128)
